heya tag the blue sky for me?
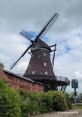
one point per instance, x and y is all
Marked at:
(32, 16)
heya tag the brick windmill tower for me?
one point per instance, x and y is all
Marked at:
(40, 66)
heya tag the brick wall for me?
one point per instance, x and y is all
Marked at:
(18, 82)
(3, 76)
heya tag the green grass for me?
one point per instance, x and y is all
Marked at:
(77, 106)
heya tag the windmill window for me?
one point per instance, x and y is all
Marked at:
(46, 73)
(44, 54)
(33, 72)
(39, 56)
(45, 64)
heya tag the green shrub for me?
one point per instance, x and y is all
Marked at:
(68, 100)
(9, 101)
(29, 103)
(43, 102)
(14, 105)
(59, 102)
(1, 65)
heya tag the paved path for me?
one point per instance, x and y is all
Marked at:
(80, 114)
(61, 114)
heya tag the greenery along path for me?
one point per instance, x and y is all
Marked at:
(76, 112)
(60, 114)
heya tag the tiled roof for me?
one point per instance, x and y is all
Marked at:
(21, 77)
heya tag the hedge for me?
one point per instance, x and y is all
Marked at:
(9, 101)
(33, 103)
(22, 103)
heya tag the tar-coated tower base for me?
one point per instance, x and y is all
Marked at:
(40, 68)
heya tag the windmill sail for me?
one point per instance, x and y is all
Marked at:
(20, 57)
(47, 26)
(41, 34)
(24, 33)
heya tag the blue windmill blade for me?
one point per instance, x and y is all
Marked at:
(25, 34)
(47, 26)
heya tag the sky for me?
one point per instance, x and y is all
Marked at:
(31, 15)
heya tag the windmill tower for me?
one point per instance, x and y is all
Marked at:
(40, 67)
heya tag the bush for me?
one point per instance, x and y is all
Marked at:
(1, 65)
(9, 101)
(43, 102)
(14, 105)
(29, 103)
(68, 100)
(59, 102)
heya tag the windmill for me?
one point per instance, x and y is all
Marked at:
(40, 66)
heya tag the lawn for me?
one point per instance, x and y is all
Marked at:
(77, 106)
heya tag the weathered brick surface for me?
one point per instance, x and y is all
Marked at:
(3, 76)
(20, 83)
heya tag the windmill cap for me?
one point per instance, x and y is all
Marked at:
(42, 44)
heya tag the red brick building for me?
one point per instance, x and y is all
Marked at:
(20, 82)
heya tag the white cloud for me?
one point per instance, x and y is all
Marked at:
(22, 66)
(78, 75)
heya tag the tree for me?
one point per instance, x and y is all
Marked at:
(1, 65)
